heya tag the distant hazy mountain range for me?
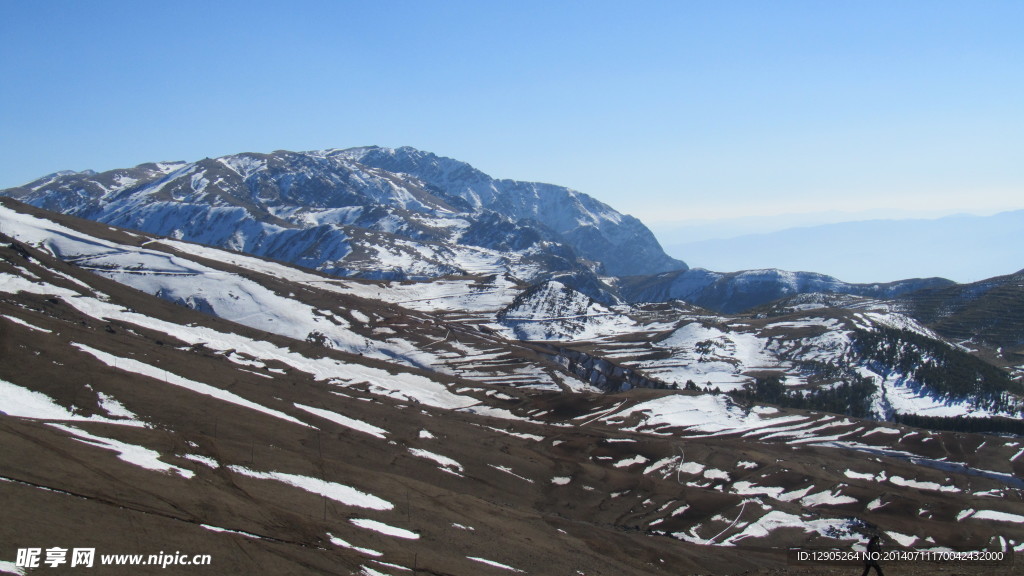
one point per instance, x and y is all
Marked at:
(962, 248)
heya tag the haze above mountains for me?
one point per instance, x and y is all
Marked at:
(961, 247)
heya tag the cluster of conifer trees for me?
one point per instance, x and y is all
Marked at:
(850, 397)
(947, 372)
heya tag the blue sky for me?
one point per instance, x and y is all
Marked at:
(666, 110)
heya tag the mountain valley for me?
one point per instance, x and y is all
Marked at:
(375, 361)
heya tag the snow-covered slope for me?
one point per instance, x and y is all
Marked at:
(553, 311)
(841, 353)
(343, 315)
(809, 342)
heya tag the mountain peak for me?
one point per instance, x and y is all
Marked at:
(367, 211)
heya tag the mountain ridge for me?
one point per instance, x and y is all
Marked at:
(402, 213)
(348, 217)
(731, 292)
(630, 244)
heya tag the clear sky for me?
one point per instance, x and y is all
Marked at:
(666, 110)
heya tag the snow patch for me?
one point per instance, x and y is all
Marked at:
(495, 564)
(344, 544)
(136, 367)
(130, 453)
(24, 403)
(345, 421)
(386, 529)
(337, 492)
(445, 463)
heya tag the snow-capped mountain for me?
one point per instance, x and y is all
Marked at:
(595, 231)
(365, 212)
(181, 397)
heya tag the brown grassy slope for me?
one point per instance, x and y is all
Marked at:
(60, 491)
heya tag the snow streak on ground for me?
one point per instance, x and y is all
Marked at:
(339, 542)
(444, 463)
(698, 413)
(403, 386)
(134, 366)
(345, 421)
(224, 294)
(776, 519)
(24, 403)
(386, 529)
(337, 492)
(997, 516)
(21, 322)
(131, 453)
(494, 564)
